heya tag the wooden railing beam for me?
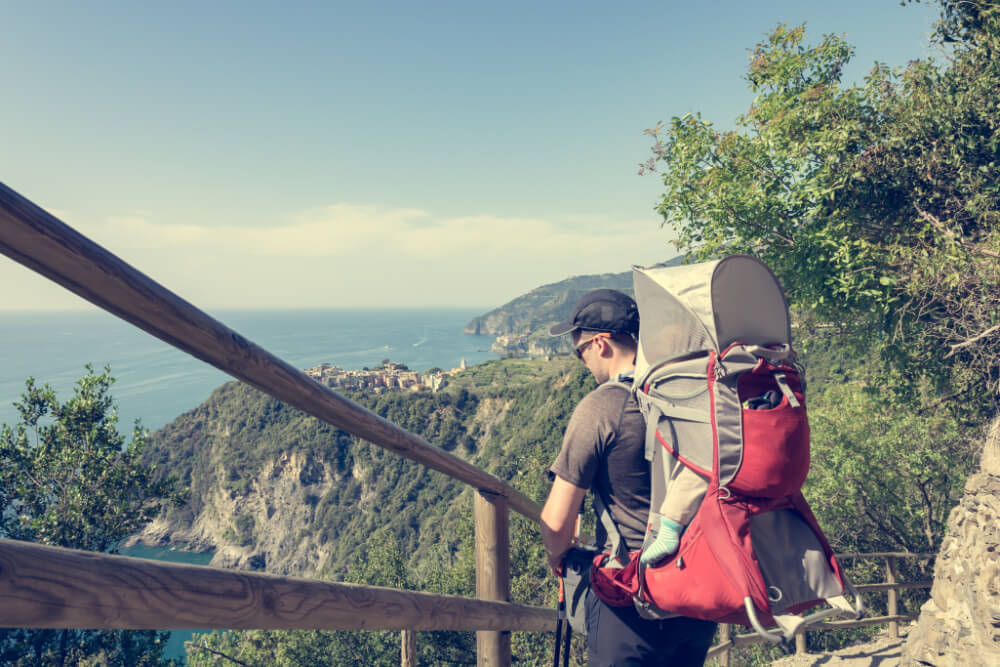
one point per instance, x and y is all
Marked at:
(38, 240)
(886, 554)
(874, 620)
(52, 587)
(877, 588)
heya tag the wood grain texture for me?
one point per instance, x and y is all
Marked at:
(492, 527)
(51, 587)
(38, 240)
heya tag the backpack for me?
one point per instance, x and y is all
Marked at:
(716, 381)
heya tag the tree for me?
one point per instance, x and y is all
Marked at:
(877, 205)
(882, 478)
(70, 479)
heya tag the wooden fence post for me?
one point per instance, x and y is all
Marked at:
(492, 572)
(725, 631)
(890, 578)
(408, 650)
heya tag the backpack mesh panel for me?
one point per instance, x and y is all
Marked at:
(690, 440)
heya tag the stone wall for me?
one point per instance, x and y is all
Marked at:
(960, 624)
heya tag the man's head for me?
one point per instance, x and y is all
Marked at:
(604, 310)
(604, 325)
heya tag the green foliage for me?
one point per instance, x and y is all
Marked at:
(241, 533)
(120, 648)
(70, 479)
(883, 477)
(876, 205)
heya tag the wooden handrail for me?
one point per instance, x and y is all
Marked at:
(886, 554)
(52, 587)
(38, 240)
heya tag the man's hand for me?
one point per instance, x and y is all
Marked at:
(556, 564)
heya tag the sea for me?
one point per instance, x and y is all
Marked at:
(155, 383)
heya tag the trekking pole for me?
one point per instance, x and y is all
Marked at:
(560, 618)
(566, 639)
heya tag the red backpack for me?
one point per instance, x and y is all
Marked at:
(722, 398)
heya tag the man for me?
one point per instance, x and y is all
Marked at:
(603, 451)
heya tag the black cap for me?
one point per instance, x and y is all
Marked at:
(602, 310)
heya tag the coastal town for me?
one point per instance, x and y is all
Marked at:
(389, 376)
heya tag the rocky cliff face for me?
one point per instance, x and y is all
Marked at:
(960, 624)
(260, 529)
(275, 490)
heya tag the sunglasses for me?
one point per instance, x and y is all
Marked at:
(578, 350)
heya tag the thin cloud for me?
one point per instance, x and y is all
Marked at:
(350, 255)
(346, 229)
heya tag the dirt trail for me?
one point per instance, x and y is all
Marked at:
(880, 651)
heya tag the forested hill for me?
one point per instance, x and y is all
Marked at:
(522, 325)
(275, 489)
(545, 305)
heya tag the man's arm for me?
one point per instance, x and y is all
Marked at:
(559, 521)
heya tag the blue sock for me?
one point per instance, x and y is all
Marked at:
(668, 538)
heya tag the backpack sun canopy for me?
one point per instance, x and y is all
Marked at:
(696, 308)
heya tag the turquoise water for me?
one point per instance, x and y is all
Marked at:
(175, 646)
(156, 382)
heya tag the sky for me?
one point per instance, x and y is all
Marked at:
(376, 154)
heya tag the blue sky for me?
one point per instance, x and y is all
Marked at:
(379, 154)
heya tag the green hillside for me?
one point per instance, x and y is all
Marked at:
(503, 416)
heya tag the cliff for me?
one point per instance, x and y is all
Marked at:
(960, 624)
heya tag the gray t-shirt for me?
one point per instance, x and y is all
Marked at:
(603, 450)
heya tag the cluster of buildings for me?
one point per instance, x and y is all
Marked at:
(390, 376)
(529, 345)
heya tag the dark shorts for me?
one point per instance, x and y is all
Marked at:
(618, 636)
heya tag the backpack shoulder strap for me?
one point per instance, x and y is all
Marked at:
(618, 548)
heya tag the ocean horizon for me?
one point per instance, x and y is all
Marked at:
(157, 383)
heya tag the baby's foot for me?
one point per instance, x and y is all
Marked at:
(668, 537)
